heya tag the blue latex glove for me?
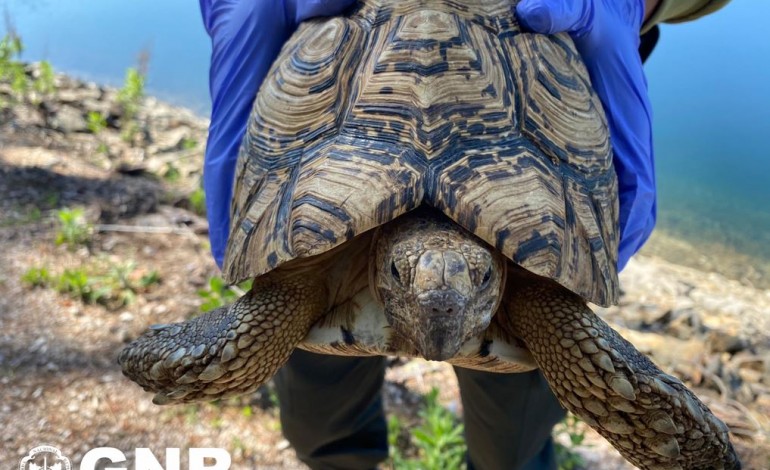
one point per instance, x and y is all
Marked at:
(246, 37)
(606, 33)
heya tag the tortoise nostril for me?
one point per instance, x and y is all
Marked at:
(446, 310)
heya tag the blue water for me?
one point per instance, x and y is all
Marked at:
(709, 83)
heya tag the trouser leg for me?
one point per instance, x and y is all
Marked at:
(508, 420)
(331, 410)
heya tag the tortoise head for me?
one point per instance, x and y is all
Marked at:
(439, 284)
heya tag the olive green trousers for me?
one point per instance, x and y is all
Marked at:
(332, 414)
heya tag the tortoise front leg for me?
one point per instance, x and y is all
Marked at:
(650, 417)
(231, 350)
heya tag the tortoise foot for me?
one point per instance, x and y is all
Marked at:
(229, 351)
(650, 417)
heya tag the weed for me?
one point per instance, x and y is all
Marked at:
(438, 439)
(79, 285)
(96, 122)
(198, 201)
(36, 277)
(238, 444)
(123, 283)
(44, 83)
(118, 285)
(189, 144)
(149, 279)
(130, 98)
(51, 199)
(566, 457)
(219, 294)
(217, 423)
(118, 279)
(34, 215)
(31, 215)
(11, 69)
(171, 173)
(191, 414)
(73, 228)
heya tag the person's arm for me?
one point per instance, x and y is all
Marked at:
(246, 37)
(678, 11)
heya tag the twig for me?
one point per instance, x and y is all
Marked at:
(142, 229)
(747, 413)
(723, 392)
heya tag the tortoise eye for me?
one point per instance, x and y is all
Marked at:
(394, 271)
(487, 277)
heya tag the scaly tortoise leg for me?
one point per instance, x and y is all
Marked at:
(231, 350)
(652, 418)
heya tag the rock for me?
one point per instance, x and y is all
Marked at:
(97, 105)
(126, 316)
(720, 341)
(76, 96)
(749, 375)
(69, 119)
(171, 140)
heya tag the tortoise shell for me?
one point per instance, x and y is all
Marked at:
(438, 103)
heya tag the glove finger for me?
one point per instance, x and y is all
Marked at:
(306, 9)
(555, 16)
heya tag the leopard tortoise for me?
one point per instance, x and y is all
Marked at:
(423, 178)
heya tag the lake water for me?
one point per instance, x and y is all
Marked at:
(709, 82)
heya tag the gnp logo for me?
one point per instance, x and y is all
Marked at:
(51, 458)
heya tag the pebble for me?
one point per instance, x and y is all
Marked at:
(126, 316)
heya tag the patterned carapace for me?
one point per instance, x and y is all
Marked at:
(409, 103)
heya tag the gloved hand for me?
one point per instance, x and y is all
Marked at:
(246, 37)
(606, 33)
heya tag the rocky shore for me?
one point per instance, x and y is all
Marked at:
(140, 194)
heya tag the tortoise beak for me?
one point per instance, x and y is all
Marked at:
(441, 317)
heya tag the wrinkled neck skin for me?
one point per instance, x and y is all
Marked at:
(439, 284)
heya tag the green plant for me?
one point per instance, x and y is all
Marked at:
(238, 444)
(51, 199)
(123, 284)
(130, 98)
(119, 282)
(12, 70)
(171, 173)
(149, 279)
(44, 83)
(36, 277)
(438, 439)
(566, 457)
(198, 201)
(31, 215)
(73, 228)
(79, 285)
(219, 293)
(96, 122)
(113, 285)
(395, 437)
(189, 144)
